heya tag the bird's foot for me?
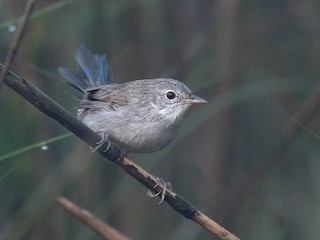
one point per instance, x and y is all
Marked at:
(166, 186)
(104, 138)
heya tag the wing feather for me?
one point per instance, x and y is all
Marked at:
(109, 97)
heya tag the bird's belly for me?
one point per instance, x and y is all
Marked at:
(132, 136)
(144, 138)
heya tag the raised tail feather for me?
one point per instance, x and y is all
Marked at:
(93, 70)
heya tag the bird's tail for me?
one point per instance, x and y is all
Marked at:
(93, 70)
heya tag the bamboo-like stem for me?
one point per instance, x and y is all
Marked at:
(58, 113)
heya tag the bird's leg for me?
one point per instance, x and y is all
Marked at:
(166, 186)
(104, 138)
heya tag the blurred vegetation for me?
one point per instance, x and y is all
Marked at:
(255, 62)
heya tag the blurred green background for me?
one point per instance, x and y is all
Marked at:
(255, 62)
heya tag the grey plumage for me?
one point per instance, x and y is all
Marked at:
(138, 116)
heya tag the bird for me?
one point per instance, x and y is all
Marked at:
(138, 116)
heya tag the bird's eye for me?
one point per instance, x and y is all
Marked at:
(170, 95)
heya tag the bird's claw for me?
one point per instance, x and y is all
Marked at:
(104, 138)
(166, 186)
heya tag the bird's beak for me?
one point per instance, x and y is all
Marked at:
(195, 99)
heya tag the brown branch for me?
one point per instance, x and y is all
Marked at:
(58, 113)
(89, 219)
(16, 40)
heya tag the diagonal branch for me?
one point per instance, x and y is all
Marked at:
(16, 40)
(93, 222)
(58, 113)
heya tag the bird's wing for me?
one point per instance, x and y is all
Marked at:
(108, 97)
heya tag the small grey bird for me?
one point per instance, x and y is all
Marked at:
(137, 116)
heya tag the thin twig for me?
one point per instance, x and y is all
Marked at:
(292, 129)
(304, 113)
(89, 219)
(58, 113)
(295, 126)
(16, 40)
